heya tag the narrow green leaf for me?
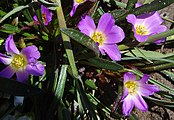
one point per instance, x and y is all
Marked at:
(82, 39)
(161, 102)
(61, 82)
(168, 74)
(27, 15)
(2, 13)
(15, 10)
(158, 67)
(138, 53)
(16, 88)
(85, 100)
(7, 28)
(91, 84)
(105, 64)
(49, 3)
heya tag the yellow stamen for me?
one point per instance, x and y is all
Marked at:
(19, 62)
(44, 18)
(98, 37)
(141, 30)
(131, 86)
(79, 1)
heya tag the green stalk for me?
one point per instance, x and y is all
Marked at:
(66, 39)
(159, 67)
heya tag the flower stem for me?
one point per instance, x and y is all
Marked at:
(66, 39)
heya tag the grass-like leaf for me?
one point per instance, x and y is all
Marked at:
(15, 10)
(82, 39)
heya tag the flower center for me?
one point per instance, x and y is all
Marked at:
(19, 61)
(141, 30)
(44, 18)
(98, 37)
(131, 86)
(79, 1)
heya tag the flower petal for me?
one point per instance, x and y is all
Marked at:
(5, 59)
(157, 29)
(10, 45)
(153, 20)
(106, 23)
(75, 5)
(128, 105)
(129, 76)
(144, 79)
(87, 25)
(125, 93)
(22, 76)
(138, 5)
(141, 38)
(140, 103)
(31, 52)
(47, 13)
(116, 35)
(131, 18)
(112, 51)
(8, 72)
(36, 69)
(147, 89)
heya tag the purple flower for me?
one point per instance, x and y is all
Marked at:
(46, 15)
(146, 25)
(76, 3)
(133, 92)
(106, 34)
(22, 63)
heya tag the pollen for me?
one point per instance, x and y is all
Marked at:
(98, 37)
(141, 30)
(19, 61)
(131, 86)
(79, 1)
(44, 18)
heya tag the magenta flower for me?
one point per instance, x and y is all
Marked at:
(22, 63)
(133, 92)
(106, 35)
(46, 15)
(76, 3)
(146, 25)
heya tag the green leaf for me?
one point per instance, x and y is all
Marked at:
(15, 10)
(49, 3)
(82, 39)
(2, 13)
(168, 74)
(105, 64)
(7, 28)
(161, 102)
(16, 88)
(61, 82)
(118, 12)
(91, 84)
(138, 53)
(84, 100)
